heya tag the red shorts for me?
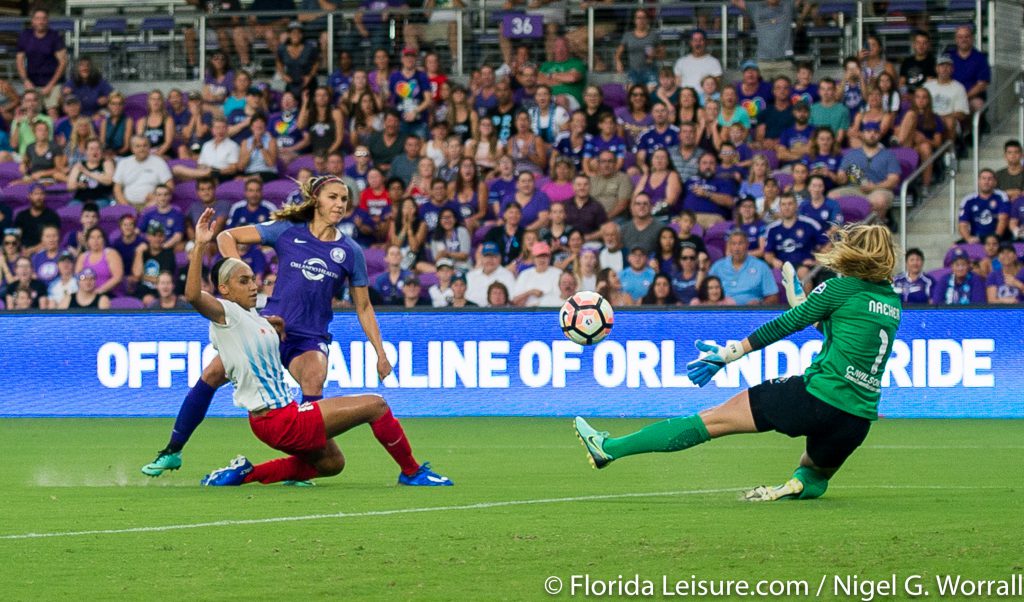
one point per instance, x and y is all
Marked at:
(293, 429)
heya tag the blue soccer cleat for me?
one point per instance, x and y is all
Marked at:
(231, 475)
(424, 477)
(165, 460)
(593, 440)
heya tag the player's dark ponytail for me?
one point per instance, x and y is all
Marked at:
(303, 211)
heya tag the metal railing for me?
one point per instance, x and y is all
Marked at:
(947, 152)
(1017, 83)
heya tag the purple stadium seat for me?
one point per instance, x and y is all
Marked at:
(277, 191)
(783, 299)
(298, 163)
(231, 191)
(136, 102)
(909, 160)
(70, 211)
(854, 208)
(57, 195)
(940, 274)
(180, 259)
(614, 95)
(717, 233)
(109, 216)
(184, 193)
(186, 162)
(783, 179)
(427, 280)
(478, 236)
(975, 252)
(773, 159)
(9, 172)
(716, 251)
(350, 160)
(2, 306)
(126, 303)
(375, 260)
(1019, 246)
(15, 194)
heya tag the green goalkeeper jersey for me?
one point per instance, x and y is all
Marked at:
(859, 320)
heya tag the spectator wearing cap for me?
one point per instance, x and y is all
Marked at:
(267, 27)
(773, 21)
(970, 67)
(65, 283)
(42, 59)
(411, 289)
(411, 95)
(43, 160)
(914, 286)
(984, 212)
(1005, 286)
(88, 85)
(872, 171)
(582, 212)
(754, 94)
(88, 295)
(489, 270)
(778, 116)
(24, 279)
(62, 127)
(169, 216)
(949, 97)
(460, 288)
(151, 258)
(103, 260)
(746, 279)
(919, 66)
(240, 119)
(642, 229)
(44, 261)
(218, 156)
(962, 286)
(441, 293)
(538, 286)
(32, 220)
(637, 276)
(389, 284)
(691, 69)
(709, 197)
(508, 237)
(829, 112)
(297, 61)
(138, 175)
(253, 209)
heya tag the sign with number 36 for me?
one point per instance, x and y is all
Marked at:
(516, 26)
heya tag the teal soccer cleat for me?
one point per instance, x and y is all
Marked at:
(164, 461)
(425, 477)
(593, 440)
(231, 475)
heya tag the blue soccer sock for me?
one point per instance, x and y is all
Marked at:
(311, 398)
(190, 415)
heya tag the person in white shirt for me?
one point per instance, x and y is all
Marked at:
(691, 69)
(441, 294)
(949, 98)
(248, 346)
(218, 157)
(490, 271)
(538, 286)
(138, 175)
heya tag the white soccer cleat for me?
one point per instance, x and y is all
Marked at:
(788, 490)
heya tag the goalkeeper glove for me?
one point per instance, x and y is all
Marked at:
(701, 370)
(794, 290)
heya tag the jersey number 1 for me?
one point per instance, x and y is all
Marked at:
(884, 336)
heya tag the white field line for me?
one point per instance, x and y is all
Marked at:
(477, 506)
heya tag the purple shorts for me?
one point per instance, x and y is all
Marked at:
(295, 345)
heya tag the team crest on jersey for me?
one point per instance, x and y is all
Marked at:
(338, 254)
(819, 289)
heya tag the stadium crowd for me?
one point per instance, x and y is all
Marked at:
(671, 187)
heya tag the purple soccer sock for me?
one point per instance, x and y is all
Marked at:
(311, 398)
(191, 414)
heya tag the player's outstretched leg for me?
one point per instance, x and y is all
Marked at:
(807, 483)
(674, 434)
(191, 413)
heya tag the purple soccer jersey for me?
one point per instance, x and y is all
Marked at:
(311, 272)
(795, 243)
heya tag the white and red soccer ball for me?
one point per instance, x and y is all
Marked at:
(586, 318)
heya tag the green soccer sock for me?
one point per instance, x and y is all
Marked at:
(670, 435)
(814, 483)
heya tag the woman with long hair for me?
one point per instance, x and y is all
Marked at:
(236, 98)
(569, 258)
(219, 81)
(572, 144)
(462, 119)
(856, 342)
(527, 149)
(635, 118)
(88, 86)
(367, 118)
(710, 292)
(660, 292)
(408, 232)
(661, 183)
(557, 231)
(731, 112)
(43, 160)
(689, 274)
(586, 270)
(434, 147)
(470, 193)
(450, 240)
(798, 187)
(593, 107)
(547, 119)
(822, 156)
(922, 130)
(116, 128)
(323, 122)
(689, 106)
(421, 182)
(610, 287)
(559, 189)
(484, 147)
(534, 203)
(104, 261)
(157, 125)
(92, 178)
(872, 59)
(663, 261)
(873, 112)
(886, 84)
(358, 85)
(380, 75)
(502, 186)
(753, 186)
(254, 351)
(81, 132)
(709, 136)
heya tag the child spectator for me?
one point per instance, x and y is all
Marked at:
(151, 258)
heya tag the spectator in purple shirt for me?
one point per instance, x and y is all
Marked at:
(970, 67)
(87, 84)
(168, 216)
(582, 212)
(389, 284)
(962, 286)
(411, 95)
(42, 59)
(44, 263)
(1006, 285)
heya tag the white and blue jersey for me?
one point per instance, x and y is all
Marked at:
(827, 215)
(982, 212)
(241, 214)
(311, 272)
(248, 347)
(652, 140)
(597, 145)
(754, 231)
(795, 243)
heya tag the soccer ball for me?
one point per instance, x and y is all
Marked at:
(586, 318)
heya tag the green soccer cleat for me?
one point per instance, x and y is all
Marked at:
(164, 461)
(594, 442)
(789, 490)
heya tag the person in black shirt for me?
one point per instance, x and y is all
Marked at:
(151, 258)
(920, 65)
(35, 218)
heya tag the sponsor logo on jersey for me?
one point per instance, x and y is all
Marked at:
(338, 254)
(314, 269)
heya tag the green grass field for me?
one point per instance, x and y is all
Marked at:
(921, 497)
